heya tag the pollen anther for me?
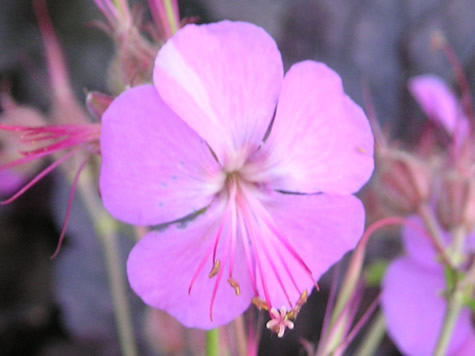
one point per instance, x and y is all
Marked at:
(260, 303)
(233, 283)
(215, 270)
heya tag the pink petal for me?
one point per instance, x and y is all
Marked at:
(468, 349)
(163, 264)
(320, 229)
(436, 100)
(414, 309)
(321, 140)
(154, 167)
(420, 249)
(223, 79)
(418, 246)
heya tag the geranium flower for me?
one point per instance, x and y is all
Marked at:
(268, 165)
(413, 302)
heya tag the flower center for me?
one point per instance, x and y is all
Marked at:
(247, 230)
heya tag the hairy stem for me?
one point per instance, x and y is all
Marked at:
(105, 228)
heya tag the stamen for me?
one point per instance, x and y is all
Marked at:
(249, 259)
(205, 258)
(218, 279)
(296, 310)
(235, 285)
(41, 175)
(263, 215)
(276, 273)
(282, 239)
(232, 202)
(213, 296)
(215, 270)
(260, 304)
(70, 203)
(254, 242)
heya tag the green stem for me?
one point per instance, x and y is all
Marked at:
(212, 342)
(373, 337)
(172, 22)
(105, 228)
(456, 296)
(457, 245)
(451, 314)
(432, 227)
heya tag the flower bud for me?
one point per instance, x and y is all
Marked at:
(97, 103)
(403, 181)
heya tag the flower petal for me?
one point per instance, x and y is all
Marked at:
(163, 264)
(223, 79)
(320, 229)
(468, 349)
(414, 309)
(320, 140)
(418, 246)
(154, 167)
(436, 100)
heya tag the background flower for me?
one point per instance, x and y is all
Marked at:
(413, 302)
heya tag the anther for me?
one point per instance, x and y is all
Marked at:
(292, 314)
(261, 304)
(233, 283)
(215, 270)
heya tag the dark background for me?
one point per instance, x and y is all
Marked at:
(62, 307)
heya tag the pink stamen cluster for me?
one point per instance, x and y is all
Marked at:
(49, 141)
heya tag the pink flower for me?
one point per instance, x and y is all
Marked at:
(413, 303)
(267, 164)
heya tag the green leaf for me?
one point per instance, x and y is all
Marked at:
(375, 272)
(470, 303)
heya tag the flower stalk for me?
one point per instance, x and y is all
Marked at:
(456, 296)
(106, 231)
(212, 342)
(453, 310)
(169, 10)
(373, 337)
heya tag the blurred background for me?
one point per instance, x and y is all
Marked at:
(62, 306)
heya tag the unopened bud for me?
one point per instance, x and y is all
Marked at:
(437, 40)
(403, 182)
(97, 103)
(133, 62)
(456, 201)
